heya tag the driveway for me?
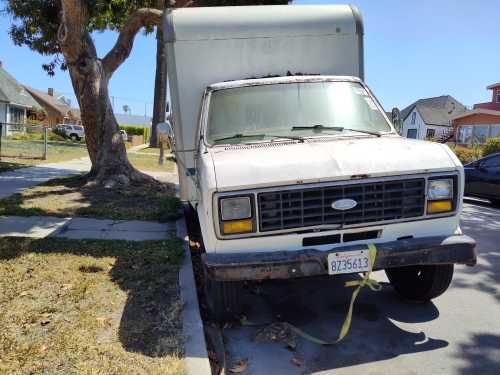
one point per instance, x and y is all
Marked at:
(458, 333)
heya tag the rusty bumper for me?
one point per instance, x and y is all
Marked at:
(303, 263)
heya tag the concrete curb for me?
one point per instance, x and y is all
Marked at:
(195, 347)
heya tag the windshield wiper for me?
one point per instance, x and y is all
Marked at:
(300, 139)
(318, 127)
(337, 128)
(240, 135)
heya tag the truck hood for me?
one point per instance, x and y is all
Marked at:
(326, 159)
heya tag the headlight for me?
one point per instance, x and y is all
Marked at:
(235, 208)
(440, 189)
(236, 215)
(440, 196)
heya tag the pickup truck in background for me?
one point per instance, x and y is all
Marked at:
(288, 164)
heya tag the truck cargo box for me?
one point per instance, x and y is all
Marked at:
(210, 45)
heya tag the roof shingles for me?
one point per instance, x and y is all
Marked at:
(49, 100)
(437, 110)
(13, 92)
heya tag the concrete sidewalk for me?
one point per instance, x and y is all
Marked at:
(84, 228)
(16, 181)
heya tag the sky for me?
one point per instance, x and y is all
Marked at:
(413, 49)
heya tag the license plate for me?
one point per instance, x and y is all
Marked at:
(349, 262)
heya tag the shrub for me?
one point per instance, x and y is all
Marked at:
(137, 130)
(169, 208)
(26, 137)
(492, 146)
(467, 154)
(55, 137)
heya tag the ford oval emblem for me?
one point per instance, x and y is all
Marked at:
(344, 204)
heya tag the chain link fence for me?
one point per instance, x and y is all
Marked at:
(23, 141)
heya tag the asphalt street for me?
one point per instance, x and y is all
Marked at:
(458, 333)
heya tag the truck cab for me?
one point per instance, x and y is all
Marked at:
(288, 162)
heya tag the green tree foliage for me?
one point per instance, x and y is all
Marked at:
(36, 23)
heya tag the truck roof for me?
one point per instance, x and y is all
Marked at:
(277, 80)
(216, 23)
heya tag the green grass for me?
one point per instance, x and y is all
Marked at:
(152, 150)
(147, 160)
(90, 307)
(24, 153)
(72, 196)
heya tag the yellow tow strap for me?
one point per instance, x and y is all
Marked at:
(372, 284)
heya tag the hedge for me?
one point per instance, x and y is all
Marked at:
(492, 146)
(137, 130)
(467, 154)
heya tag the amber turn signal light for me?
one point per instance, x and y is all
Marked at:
(434, 207)
(237, 226)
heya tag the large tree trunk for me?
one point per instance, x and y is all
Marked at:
(107, 152)
(159, 104)
(90, 77)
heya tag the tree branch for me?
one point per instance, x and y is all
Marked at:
(72, 36)
(121, 50)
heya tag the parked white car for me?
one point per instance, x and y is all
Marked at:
(300, 172)
(74, 132)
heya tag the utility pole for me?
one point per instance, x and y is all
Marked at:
(160, 97)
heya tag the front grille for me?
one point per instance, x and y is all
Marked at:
(376, 201)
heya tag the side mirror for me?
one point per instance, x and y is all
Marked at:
(165, 132)
(396, 120)
(165, 129)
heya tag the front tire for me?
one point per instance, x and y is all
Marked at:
(74, 137)
(420, 283)
(224, 299)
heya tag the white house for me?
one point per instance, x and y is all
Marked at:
(430, 118)
(14, 102)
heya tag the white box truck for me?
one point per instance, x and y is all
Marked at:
(286, 158)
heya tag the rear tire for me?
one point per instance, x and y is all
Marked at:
(224, 299)
(420, 283)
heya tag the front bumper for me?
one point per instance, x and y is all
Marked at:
(310, 262)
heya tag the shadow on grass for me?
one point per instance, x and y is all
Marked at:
(73, 196)
(147, 271)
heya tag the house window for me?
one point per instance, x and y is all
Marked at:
(498, 96)
(495, 131)
(413, 116)
(430, 133)
(16, 115)
(481, 133)
(465, 134)
(412, 133)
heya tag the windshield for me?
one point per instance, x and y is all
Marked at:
(292, 110)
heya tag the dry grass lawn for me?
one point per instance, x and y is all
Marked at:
(147, 160)
(90, 307)
(72, 196)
